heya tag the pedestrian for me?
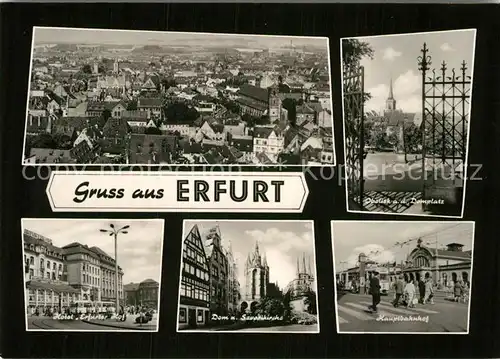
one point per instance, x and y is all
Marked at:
(429, 289)
(421, 290)
(375, 290)
(409, 292)
(398, 287)
(458, 290)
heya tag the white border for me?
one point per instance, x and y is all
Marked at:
(197, 221)
(166, 33)
(466, 164)
(332, 225)
(215, 209)
(113, 330)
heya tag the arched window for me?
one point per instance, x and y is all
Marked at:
(421, 261)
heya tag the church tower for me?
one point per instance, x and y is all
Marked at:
(390, 103)
(256, 276)
(95, 70)
(275, 104)
(116, 67)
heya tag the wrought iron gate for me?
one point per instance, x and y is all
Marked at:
(445, 118)
(353, 90)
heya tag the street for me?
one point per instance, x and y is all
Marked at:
(48, 323)
(443, 316)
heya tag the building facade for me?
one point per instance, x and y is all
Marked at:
(218, 265)
(46, 288)
(194, 296)
(144, 294)
(92, 271)
(256, 280)
(233, 284)
(445, 266)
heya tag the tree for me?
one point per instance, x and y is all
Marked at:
(290, 105)
(412, 136)
(43, 140)
(310, 301)
(249, 120)
(168, 83)
(63, 141)
(287, 308)
(132, 105)
(353, 51)
(86, 69)
(179, 112)
(152, 131)
(271, 307)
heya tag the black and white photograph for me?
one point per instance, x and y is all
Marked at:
(406, 106)
(415, 281)
(92, 275)
(248, 276)
(130, 97)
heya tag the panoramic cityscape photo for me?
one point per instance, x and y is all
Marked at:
(152, 98)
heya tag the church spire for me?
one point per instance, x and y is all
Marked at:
(391, 94)
(304, 263)
(256, 247)
(390, 103)
(264, 260)
(298, 268)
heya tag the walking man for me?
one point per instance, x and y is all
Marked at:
(375, 290)
(399, 287)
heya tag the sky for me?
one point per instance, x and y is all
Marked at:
(396, 57)
(282, 242)
(352, 238)
(139, 251)
(124, 37)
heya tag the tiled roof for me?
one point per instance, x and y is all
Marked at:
(149, 102)
(115, 127)
(28, 239)
(254, 92)
(258, 105)
(79, 123)
(134, 114)
(242, 143)
(262, 132)
(151, 148)
(47, 155)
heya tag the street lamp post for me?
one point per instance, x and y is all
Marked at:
(114, 233)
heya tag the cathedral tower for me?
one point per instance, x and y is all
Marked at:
(256, 276)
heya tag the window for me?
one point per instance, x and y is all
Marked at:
(54, 265)
(191, 270)
(32, 260)
(31, 273)
(183, 289)
(48, 275)
(199, 316)
(48, 264)
(182, 315)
